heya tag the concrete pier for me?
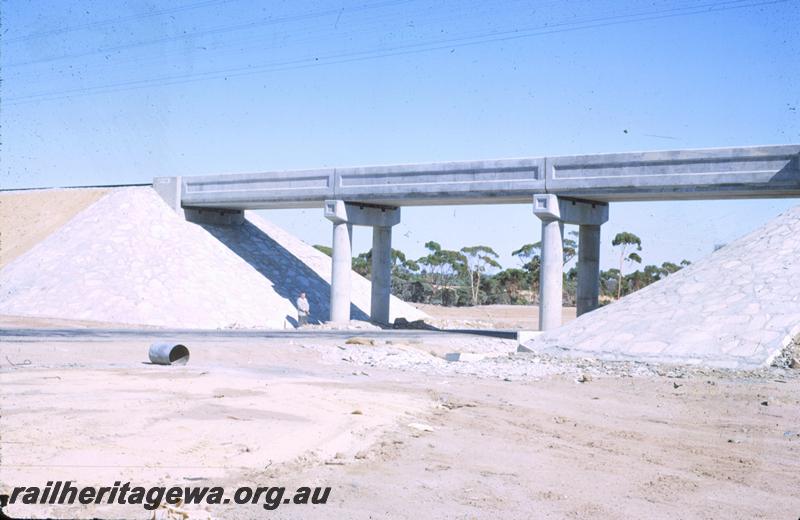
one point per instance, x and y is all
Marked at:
(381, 273)
(551, 277)
(554, 212)
(588, 268)
(342, 258)
(345, 215)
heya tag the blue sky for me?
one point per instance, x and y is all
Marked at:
(120, 92)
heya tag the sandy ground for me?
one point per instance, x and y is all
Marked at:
(519, 317)
(504, 442)
(59, 323)
(27, 217)
(503, 317)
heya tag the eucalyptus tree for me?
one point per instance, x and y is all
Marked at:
(442, 266)
(625, 241)
(476, 260)
(530, 257)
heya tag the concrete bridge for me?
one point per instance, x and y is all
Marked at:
(565, 189)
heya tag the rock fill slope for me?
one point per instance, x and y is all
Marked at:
(26, 217)
(129, 259)
(737, 308)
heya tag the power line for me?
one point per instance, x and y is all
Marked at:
(213, 31)
(320, 37)
(315, 61)
(309, 36)
(369, 54)
(112, 21)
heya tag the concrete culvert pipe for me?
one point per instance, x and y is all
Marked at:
(168, 354)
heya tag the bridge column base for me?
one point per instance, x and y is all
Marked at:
(554, 213)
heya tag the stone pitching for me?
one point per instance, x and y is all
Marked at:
(737, 308)
(129, 259)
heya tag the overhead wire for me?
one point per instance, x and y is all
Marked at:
(208, 32)
(111, 21)
(322, 38)
(340, 58)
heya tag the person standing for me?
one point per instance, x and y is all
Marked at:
(302, 309)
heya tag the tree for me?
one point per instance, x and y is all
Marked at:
(624, 241)
(400, 262)
(610, 281)
(527, 252)
(529, 255)
(667, 268)
(511, 281)
(476, 260)
(324, 249)
(362, 264)
(442, 265)
(405, 280)
(653, 274)
(570, 247)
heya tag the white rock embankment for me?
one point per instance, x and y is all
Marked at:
(129, 259)
(737, 308)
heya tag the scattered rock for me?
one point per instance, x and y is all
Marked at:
(359, 340)
(437, 467)
(583, 378)
(356, 412)
(472, 356)
(450, 405)
(402, 323)
(404, 341)
(179, 512)
(764, 403)
(421, 427)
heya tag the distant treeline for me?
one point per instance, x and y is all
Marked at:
(473, 275)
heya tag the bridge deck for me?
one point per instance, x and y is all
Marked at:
(742, 172)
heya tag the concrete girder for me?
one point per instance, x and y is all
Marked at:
(737, 172)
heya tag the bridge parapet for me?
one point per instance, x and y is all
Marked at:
(749, 172)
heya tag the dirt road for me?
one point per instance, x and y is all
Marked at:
(518, 317)
(250, 411)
